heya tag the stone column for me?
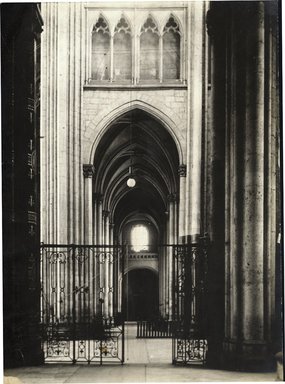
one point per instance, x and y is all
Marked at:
(99, 230)
(171, 229)
(195, 123)
(95, 224)
(107, 262)
(182, 208)
(247, 343)
(215, 194)
(88, 171)
(166, 265)
(111, 232)
(111, 269)
(99, 265)
(247, 225)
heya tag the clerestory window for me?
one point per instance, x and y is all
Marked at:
(122, 51)
(154, 57)
(149, 51)
(101, 50)
(171, 50)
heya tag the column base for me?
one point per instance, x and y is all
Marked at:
(214, 355)
(16, 356)
(251, 356)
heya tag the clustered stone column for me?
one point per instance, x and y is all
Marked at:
(244, 38)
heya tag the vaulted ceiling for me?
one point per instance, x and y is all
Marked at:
(139, 141)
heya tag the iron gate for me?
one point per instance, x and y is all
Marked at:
(79, 291)
(189, 303)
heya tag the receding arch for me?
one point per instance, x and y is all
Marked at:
(161, 117)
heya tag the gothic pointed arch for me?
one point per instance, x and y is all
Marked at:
(171, 49)
(122, 50)
(165, 120)
(149, 50)
(101, 50)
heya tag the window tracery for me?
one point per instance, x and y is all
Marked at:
(123, 26)
(149, 25)
(122, 51)
(149, 51)
(157, 56)
(101, 50)
(171, 50)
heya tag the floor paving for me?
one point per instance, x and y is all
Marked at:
(146, 361)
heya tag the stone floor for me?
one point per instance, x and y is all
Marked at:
(147, 360)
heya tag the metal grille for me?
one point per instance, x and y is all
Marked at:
(79, 291)
(189, 303)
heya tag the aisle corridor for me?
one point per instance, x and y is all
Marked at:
(146, 351)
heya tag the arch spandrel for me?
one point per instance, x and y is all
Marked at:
(98, 130)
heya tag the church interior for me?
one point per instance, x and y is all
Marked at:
(142, 185)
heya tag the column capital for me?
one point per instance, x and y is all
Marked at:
(216, 19)
(182, 170)
(88, 170)
(98, 197)
(105, 213)
(172, 198)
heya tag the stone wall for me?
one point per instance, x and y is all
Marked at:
(101, 106)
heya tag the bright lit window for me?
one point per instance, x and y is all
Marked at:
(139, 238)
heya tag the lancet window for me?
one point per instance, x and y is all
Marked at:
(171, 50)
(101, 61)
(122, 56)
(149, 51)
(122, 51)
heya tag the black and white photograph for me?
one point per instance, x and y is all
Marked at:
(142, 192)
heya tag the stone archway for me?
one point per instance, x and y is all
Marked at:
(135, 140)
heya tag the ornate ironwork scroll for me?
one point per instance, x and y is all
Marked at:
(189, 303)
(76, 327)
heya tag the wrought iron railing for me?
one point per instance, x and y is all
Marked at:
(152, 329)
(189, 303)
(79, 290)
